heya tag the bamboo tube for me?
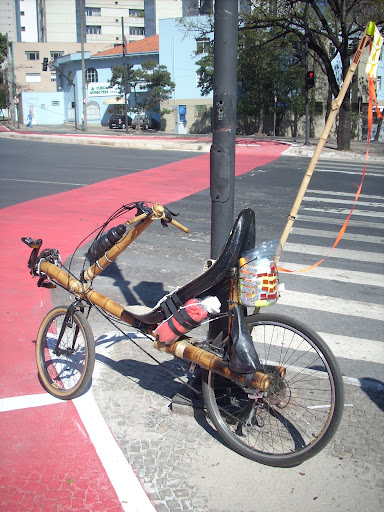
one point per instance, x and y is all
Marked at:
(82, 291)
(324, 136)
(103, 262)
(184, 350)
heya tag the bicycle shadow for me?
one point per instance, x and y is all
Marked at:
(156, 378)
(147, 293)
(374, 389)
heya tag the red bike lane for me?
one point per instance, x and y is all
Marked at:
(49, 459)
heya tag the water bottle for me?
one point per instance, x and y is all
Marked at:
(105, 242)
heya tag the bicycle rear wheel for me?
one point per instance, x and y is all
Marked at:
(65, 369)
(301, 410)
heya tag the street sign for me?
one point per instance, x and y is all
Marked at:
(16, 100)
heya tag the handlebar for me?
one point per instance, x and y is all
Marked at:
(159, 212)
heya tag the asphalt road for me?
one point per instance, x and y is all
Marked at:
(342, 299)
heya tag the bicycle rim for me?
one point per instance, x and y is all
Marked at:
(300, 412)
(65, 369)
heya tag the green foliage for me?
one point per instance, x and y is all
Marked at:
(339, 24)
(151, 85)
(3, 48)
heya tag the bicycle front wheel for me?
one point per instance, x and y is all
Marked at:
(65, 368)
(299, 413)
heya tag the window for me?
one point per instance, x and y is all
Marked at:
(32, 77)
(136, 31)
(21, 13)
(202, 45)
(93, 11)
(23, 29)
(200, 110)
(378, 83)
(55, 103)
(91, 75)
(32, 55)
(55, 55)
(93, 29)
(53, 76)
(136, 13)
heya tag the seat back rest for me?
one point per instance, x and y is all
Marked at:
(241, 238)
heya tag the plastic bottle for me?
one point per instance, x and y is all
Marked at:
(197, 309)
(105, 242)
(258, 275)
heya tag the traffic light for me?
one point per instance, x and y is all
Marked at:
(45, 63)
(130, 71)
(310, 80)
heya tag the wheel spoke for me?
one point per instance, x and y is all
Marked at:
(300, 411)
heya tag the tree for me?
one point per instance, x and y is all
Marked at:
(266, 70)
(151, 84)
(3, 85)
(332, 27)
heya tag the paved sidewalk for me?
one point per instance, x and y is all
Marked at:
(183, 465)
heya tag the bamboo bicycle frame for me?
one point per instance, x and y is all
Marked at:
(181, 349)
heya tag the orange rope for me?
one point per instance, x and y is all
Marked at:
(372, 99)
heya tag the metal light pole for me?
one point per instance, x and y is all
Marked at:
(84, 118)
(224, 123)
(306, 90)
(125, 75)
(222, 165)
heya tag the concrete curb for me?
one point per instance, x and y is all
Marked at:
(138, 143)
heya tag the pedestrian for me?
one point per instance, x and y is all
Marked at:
(82, 121)
(29, 119)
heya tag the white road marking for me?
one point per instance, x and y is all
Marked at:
(357, 349)
(27, 401)
(347, 254)
(125, 482)
(129, 490)
(354, 308)
(335, 274)
(343, 211)
(331, 220)
(319, 233)
(45, 182)
(342, 194)
(369, 173)
(337, 200)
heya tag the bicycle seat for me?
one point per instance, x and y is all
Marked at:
(241, 238)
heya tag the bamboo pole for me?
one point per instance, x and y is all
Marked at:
(369, 31)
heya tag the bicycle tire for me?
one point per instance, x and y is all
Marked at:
(66, 371)
(298, 416)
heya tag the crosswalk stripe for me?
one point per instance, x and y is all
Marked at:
(335, 305)
(331, 220)
(319, 233)
(342, 201)
(369, 173)
(335, 274)
(348, 254)
(341, 211)
(342, 194)
(355, 348)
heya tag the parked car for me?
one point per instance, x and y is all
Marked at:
(145, 122)
(118, 121)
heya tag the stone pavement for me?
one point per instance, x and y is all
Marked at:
(183, 465)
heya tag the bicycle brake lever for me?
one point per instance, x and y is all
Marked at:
(164, 223)
(172, 214)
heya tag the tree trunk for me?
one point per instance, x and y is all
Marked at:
(345, 125)
(379, 125)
